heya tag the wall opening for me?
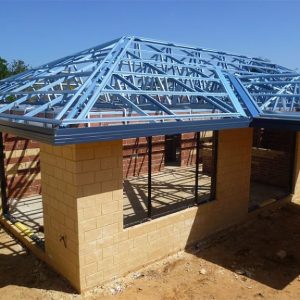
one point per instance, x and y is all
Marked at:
(272, 164)
(172, 150)
(164, 174)
(23, 186)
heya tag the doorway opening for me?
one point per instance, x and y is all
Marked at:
(172, 150)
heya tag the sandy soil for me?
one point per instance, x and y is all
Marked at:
(258, 261)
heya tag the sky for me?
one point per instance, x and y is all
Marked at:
(41, 31)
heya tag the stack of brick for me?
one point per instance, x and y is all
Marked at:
(270, 167)
(272, 157)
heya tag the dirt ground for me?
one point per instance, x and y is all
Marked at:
(260, 260)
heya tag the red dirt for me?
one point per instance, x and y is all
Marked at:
(258, 261)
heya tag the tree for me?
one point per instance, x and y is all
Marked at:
(4, 70)
(18, 66)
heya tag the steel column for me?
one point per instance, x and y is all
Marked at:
(197, 167)
(292, 162)
(149, 204)
(215, 162)
(3, 177)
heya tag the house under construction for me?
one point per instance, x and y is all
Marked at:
(119, 155)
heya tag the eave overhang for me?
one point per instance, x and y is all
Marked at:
(276, 123)
(65, 136)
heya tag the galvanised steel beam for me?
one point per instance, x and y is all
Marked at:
(273, 95)
(215, 57)
(211, 99)
(145, 94)
(112, 63)
(251, 106)
(151, 82)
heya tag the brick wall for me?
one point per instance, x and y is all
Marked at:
(188, 149)
(271, 167)
(22, 167)
(135, 156)
(83, 200)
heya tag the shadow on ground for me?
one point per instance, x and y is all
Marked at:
(267, 251)
(19, 268)
(250, 250)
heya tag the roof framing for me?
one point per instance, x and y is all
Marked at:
(134, 86)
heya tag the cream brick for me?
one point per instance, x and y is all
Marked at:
(94, 279)
(85, 178)
(70, 223)
(140, 241)
(103, 248)
(73, 166)
(110, 251)
(103, 175)
(92, 189)
(125, 245)
(68, 152)
(110, 207)
(109, 162)
(91, 258)
(110, 230)
(83, 153)
(88, 225)
(105, 220)
(90, 165)
(110, 185)
(121, 236)
(85, 202)
(105, 242)
(105, 263)
(89, 269)
(91, 213)
(103, 151)
(92, 235)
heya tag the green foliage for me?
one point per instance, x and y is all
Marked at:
(4, 70)
(16, 67)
